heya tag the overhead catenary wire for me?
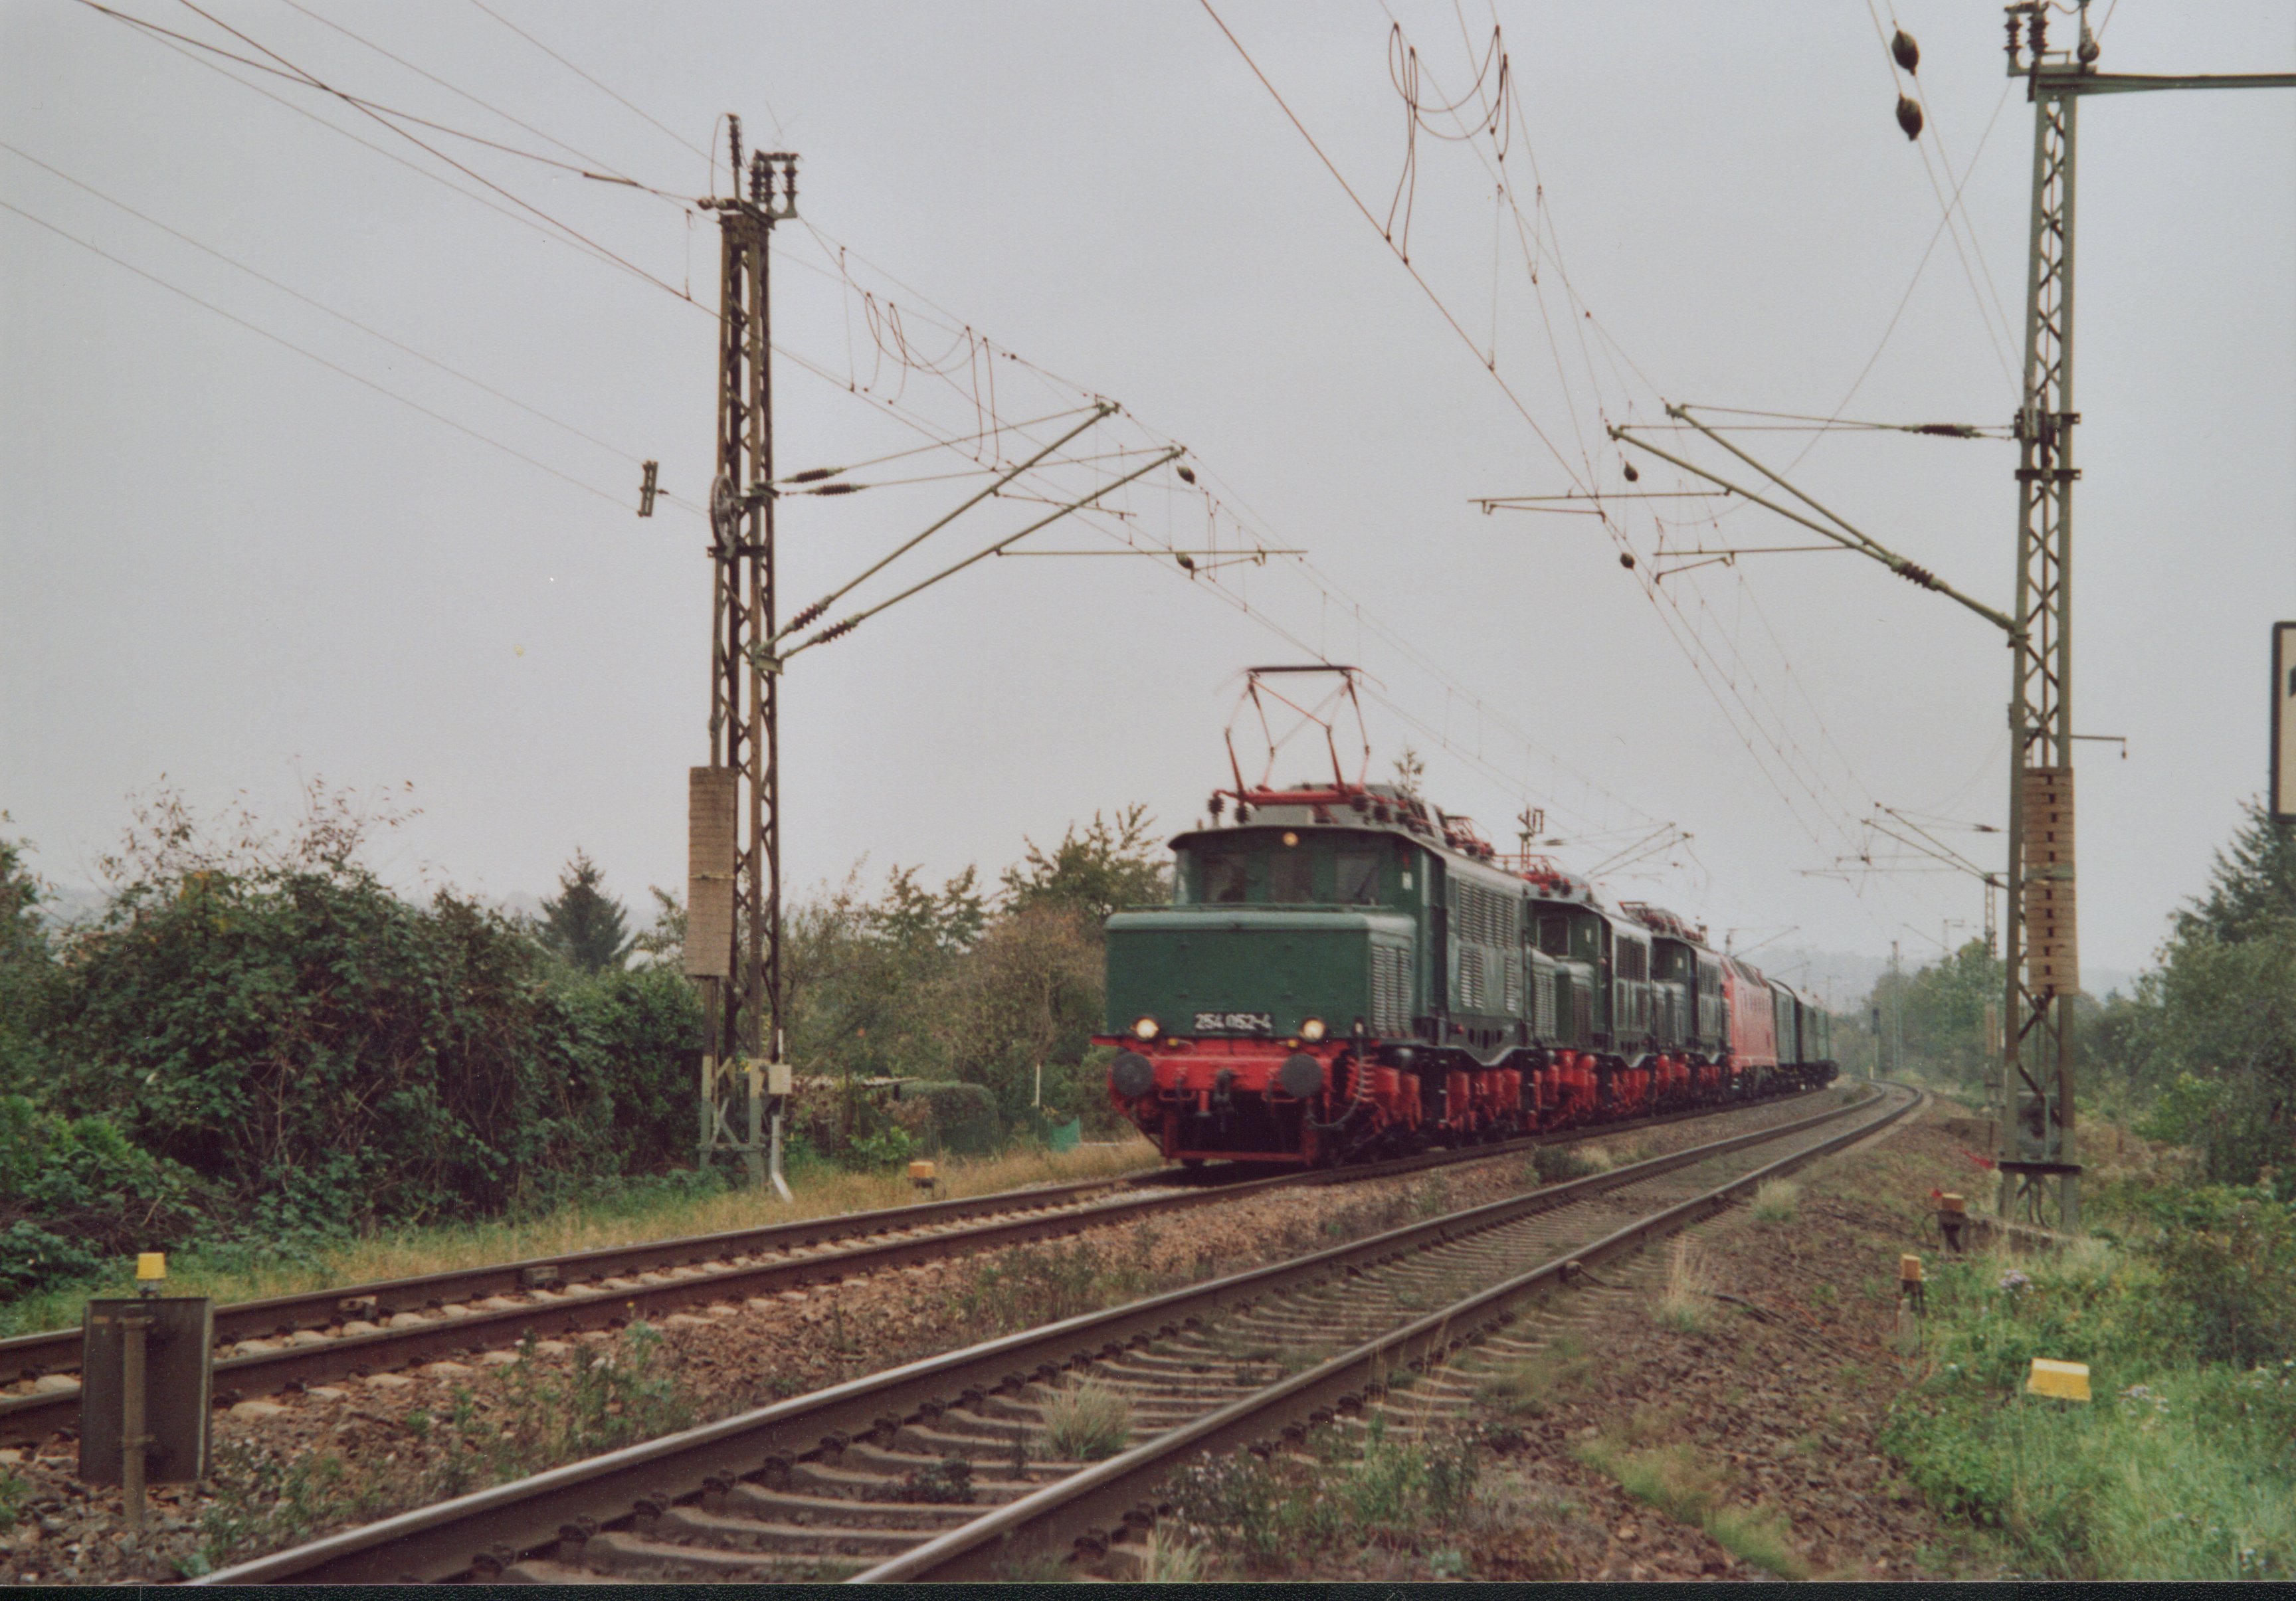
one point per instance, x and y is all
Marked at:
(631, 107)
(1897, 314)
(1694, 646)
(396, 344)
(388, 122)
(372, 107)
(605, 169)
(1986, 313)
(1688, 639)
(942, 441)
(438, 417)
(167, 41)
(842, 253)
(1782, 741)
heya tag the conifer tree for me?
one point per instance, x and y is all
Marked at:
(584, 924)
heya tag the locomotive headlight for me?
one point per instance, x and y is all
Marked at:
(1312, 1030)
(1146, 1027)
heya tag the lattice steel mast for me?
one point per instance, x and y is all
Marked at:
(734, 899)
(2042, 952)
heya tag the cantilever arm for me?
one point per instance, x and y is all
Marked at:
(1843, 534)
(813, 612)
(772, 664)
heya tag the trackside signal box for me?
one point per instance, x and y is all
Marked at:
(174, 1376)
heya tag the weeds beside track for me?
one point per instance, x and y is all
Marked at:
(898, 1464)
(354, 1330)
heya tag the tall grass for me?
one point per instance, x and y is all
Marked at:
(2175, 1470)
(1684, 1305)
(636, 1212)
(1776, 1200)
(1169, 1560)
(1087, 1424)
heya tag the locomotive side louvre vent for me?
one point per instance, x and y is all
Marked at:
(1513, 961)
(1390, 990)
(1543, 1002)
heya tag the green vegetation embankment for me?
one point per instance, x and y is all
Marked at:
(261, 1056)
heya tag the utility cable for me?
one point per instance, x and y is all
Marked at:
(376, 334)
(1948, 206)
(610, 95)
(153, 34)
(432, 149)
(377, 107)
(603, 168)
(331, 366)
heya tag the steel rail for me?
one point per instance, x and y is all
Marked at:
(565, 1304)
(57, 1351)
(487, 1529)
(1112, 1494)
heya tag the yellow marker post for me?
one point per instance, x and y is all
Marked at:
(151, 1266)
(924, 1175)
(2062, 1381)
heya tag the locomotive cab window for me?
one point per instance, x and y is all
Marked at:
(1290, 876)
(1358, 878)
(1554, 933)
(1222, 877)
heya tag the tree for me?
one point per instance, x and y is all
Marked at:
(1945, 1010)
(1410, 774)
(585, 926)
(2209, 1036)
(2251, 890)
(1109, 866)
(1028, 996)
(28, 968)
(663, 944)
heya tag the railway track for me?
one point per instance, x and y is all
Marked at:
(279, 1343)
(940, 1469)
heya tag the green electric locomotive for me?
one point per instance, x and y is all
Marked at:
(1345, 971)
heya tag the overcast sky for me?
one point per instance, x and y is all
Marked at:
(224, 562)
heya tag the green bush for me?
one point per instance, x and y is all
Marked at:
(73, 1191)
(2226, 1256)
(961, 1119)
(33, 1259)
(311, 1043)
(887, 1151)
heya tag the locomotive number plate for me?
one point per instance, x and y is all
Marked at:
(1234, 1022)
